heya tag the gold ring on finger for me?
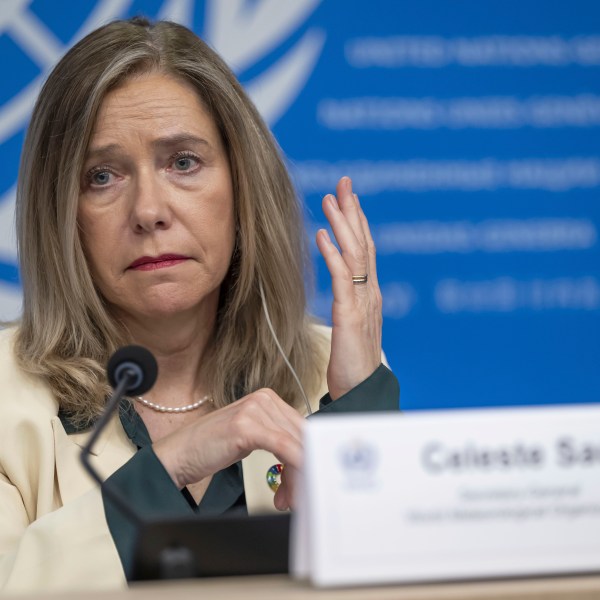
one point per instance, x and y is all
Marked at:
(360, 279)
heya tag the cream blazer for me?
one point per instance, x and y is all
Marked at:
(53, 530)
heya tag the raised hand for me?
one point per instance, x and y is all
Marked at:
(356, 311)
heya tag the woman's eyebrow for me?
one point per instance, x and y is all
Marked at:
(178, 139)
(101, 151)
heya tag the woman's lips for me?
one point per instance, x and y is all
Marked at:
(151, 263)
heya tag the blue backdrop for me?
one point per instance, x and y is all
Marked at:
(470, 130)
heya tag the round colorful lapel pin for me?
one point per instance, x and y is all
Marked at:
(274, 476)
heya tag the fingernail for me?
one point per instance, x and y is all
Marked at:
(332, 201)
(356, 198)
(325, 234)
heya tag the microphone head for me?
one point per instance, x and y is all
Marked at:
(138, 362)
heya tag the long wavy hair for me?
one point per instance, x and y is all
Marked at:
(67, 332)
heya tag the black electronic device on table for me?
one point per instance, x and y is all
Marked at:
(212, 547)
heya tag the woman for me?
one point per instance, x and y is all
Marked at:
(154, 208)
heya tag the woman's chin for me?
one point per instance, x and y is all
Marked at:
(155, 313)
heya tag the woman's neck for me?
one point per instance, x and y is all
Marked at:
(180, 344)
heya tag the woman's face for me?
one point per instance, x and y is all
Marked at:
(156, 205)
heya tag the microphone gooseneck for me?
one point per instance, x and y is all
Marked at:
(131, 370)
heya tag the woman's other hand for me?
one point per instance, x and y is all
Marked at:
(356, 312)
(259, 421)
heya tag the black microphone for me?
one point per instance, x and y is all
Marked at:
(130, 370)
(134, 367)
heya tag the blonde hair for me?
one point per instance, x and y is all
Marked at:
(67, 333)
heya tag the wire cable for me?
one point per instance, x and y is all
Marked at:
(283, 355)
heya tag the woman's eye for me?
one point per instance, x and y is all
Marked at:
(185, 163)
(99, 177)
(182, 164)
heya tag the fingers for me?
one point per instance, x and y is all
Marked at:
(264, 421)
(351, 231)
(267, 407)
(356, 311)
(372, 255)
(282, 436)
(284, 496)
(348, 203)
(341, 275)
(259, 421)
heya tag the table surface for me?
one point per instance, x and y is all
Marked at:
(278, 587)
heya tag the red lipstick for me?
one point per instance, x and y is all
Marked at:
(150, 263)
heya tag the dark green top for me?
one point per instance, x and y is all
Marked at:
(147, 486)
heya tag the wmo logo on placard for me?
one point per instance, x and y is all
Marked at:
(244, 32)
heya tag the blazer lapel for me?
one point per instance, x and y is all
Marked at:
(110, 452)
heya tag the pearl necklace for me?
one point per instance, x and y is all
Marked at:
(171, 409)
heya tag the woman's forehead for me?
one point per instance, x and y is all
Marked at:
(154, 105)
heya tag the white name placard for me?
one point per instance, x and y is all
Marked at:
(388, 497)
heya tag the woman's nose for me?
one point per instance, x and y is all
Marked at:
(150, 206)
